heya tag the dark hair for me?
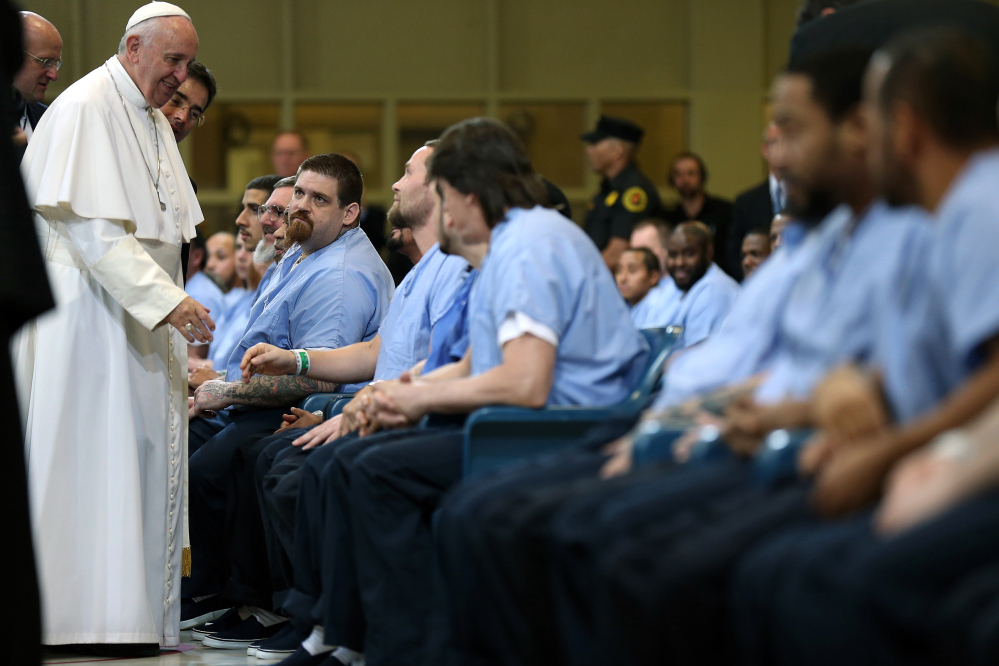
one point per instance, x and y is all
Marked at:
(650, 260)
(265, 183)
(198, 243)
(949, 78)
(482, 156)
(301, 137)
(432, 143)
(762, 230)
(836, 76)
(812, 9)
(197, 71)
(698, 231)
(687, 155)
(285, 182)
(349, 183)
(662, 228)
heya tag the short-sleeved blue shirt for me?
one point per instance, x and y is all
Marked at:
(545, 267)
(420, 301)
(333, 298)
(659, 307)
(704, 306)
(449, 340)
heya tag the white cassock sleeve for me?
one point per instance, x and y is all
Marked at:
(120, 264)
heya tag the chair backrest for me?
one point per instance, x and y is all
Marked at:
(661, 342)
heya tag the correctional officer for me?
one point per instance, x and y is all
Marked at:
(626, 196)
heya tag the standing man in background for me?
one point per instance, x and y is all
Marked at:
(101, 380)
(288, 152)
(42, 60)
(626, 196)
(688, 175)
(756, 207)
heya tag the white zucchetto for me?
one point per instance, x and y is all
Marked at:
(154, 10)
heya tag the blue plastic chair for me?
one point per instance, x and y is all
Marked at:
(324, 401)
(500, 436)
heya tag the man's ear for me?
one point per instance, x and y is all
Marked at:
(351, 214)
(908, 132)
(132, 48)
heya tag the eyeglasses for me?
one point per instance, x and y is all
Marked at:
(276, 211)
(192, 112)
(46, 63)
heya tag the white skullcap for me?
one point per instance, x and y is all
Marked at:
(154, 10)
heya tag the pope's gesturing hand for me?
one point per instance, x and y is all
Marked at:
(265, 359)
(191, 318)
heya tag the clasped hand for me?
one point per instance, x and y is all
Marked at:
(265, 359)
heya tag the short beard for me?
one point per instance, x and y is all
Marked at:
(394, 243)
(819, 204)
(299, 230)
(264, 253)
(413, 215)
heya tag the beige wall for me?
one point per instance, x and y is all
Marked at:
(697, 69)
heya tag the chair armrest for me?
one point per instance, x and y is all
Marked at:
(777, 461)
(335, 406)
(317, 401)
(499, 436)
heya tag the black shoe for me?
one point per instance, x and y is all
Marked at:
(109, 650)
(301, 657)
(196, 613)
(281, 645)
(228, 620)
(242, 635)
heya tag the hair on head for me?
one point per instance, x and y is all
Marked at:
(948, 77)
(265, 183)
(688, 155)
(663, 229)
(649, 260)
(285, 182)
(484, 157)
(349, 183)
(196, 70)
(696, 230)
(836, 76)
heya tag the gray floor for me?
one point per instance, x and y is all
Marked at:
(198, 656)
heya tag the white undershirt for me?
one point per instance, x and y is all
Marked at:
(517, 324)
(25, 125)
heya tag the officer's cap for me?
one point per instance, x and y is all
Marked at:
(617, 128)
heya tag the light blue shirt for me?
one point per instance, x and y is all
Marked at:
(937, 343)
(841, 303)
(449, 341)
(230, 328)
(542, 265)
(421, 299)
(705, 305)
(204, 290)
(746, 342)
(233, 296)
(265, 280)
(659, 306)
(335, 297)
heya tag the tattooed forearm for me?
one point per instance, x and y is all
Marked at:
(280, 391)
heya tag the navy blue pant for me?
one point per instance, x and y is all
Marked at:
(839, 593)
(210, 476)
(379, 568)
(480, 622)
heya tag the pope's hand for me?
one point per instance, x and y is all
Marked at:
(194, 313)
(265, 359)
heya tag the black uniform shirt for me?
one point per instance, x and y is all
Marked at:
(621, 203)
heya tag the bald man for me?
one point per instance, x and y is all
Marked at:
(708, 292)
(42, 60)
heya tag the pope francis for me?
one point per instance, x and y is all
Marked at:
(103, 377)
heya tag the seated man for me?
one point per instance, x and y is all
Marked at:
(199, 285)
(546, 326)
(636, 275)
(917, 596)
(664, 299)
(226, 478)
(755, 249)
(587, 540)
(334, 293)
(270, 216)
(706, 292)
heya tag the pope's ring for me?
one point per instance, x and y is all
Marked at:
(188, 327)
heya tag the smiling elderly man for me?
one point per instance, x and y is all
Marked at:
(102, 379)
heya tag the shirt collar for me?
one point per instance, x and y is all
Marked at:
(126, 86)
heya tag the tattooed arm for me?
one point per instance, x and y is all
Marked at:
(261, 391)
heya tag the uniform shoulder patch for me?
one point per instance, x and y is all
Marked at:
(635, 199)
(611, 199)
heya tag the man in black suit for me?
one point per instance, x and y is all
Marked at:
(757, 206)
(42, 60)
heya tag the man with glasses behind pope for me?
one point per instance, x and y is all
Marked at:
(102, 379)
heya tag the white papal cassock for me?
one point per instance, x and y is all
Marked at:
(103, 387)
